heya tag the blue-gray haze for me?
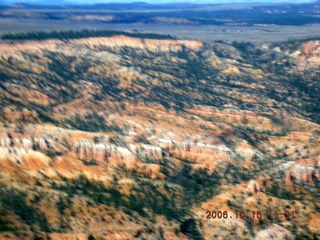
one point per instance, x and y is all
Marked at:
(57, 2)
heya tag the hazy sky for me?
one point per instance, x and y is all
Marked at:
(148, 1)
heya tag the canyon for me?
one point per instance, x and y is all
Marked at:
(134, 138)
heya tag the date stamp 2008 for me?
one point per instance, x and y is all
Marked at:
(256, 214)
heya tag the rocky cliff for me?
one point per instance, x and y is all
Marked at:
(306, 170)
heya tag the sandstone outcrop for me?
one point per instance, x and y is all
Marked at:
(174, 124)
(25, 150)
(253, 187)
(37, 143)
(274, 232)
(147, 151)
(153, 45)
(194, 147)
(24, 156)
(305, 170)
(101, 152)
(310, 54)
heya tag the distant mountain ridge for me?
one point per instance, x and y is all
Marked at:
(178, 13)
(35, 2)
(83, 2)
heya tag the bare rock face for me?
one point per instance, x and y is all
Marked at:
(24, 156)
(30, 46)
(274, 232)
(39, 143)
(310, 54)
(120, 236)
(147, 151)
(305, 170)
(288, 177)
(253, 187)
(167, 144)
(26, 151)
(191, 147)
(101, 152)
(203, 148)
(153, 45)
(68, 236)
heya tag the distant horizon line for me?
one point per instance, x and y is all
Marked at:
(151, 2)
